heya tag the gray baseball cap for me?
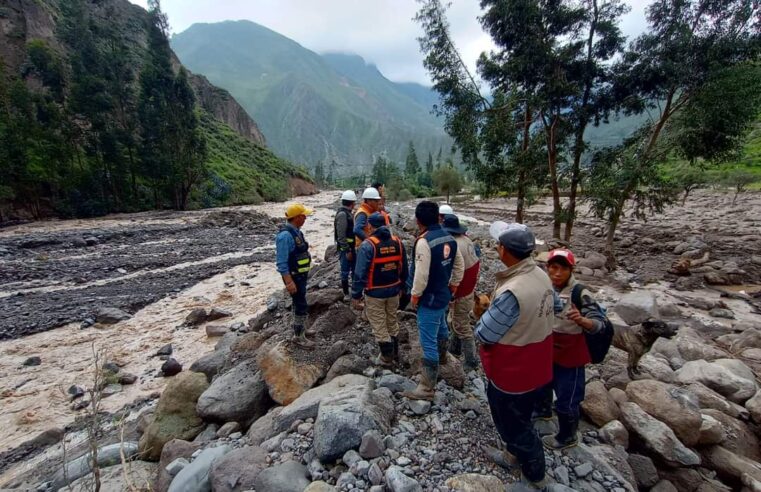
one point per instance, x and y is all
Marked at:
(515, 237)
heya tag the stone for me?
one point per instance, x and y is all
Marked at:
(561, 474)
(728, 377)
(165, 350)
(107, 456)
(671, 405)
(112, 479)
(32, 361)
(615, 434)
(749, 338)
(593, 260)
(176, 466)
(375, 474)
(664, 486)
(210, 364)
(372, 445)
(344, 417)
(709, 399)
(127, 378)
(320, 486)
(346, 481)
(195, 476)
(175, 416)
(452, 372)
(753, 406)
(651, 367)
(347, 364)
(711, 431)
(196, 317)
(657, 436)
(216, 330)
(174, 450)
(729, 465)
(607, 460)
(335, 321)
(321, 300)
(110, 390)
(419, 407)
(290, 476)
(287, 378)
(397, 481)
(618, 395)
(396, 383)
(694, 348)
(644, 470)
(583, 469)
(111, 316)
(218, 313)
(741, 439)
(263, 428)
(170, 368)
(474, 482)
(351, 458)
(207, 435)
(227, 429)
(238, 395)
(722, 313)
(237, 470)
(598, 405)
(636, 307)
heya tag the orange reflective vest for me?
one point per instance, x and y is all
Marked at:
(386, 267)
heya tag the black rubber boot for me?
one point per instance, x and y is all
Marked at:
(455, 345)
(566, 437)
(443, 345)
(345, 286)
(543, 409)
(386, 356)
(395, 342)
(470, 359)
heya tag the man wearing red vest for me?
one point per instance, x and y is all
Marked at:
(371, 203)
(516, 350)
(381, 274)
(464, 296)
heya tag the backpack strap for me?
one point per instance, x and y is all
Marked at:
(576, 295)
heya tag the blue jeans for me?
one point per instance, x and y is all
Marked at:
(568, 384)
(347, 267)
(432, 326)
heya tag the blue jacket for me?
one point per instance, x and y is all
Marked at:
(443, 251)
(362, 269)
(285, 247)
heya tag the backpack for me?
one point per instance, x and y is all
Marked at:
(597, 343)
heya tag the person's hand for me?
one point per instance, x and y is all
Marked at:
(415, 301)
(349, 255)
(453, 289)
(291, 287)
(357, 304)
(575, 316)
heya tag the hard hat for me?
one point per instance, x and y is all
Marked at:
(296, 209)
(371, 194)
(349, 196)
(446, 210)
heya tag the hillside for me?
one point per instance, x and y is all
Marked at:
(311, 107)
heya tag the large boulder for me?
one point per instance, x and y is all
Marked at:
(615, 434)
(750, 338)
(708, 398)
(195, 476)
(335, 321)
(173, 450)
(239, 395)
(729, 465)
(321, 300)
(754, 407)
(291, 476)
(237, 470)
(644, 470)
(175, 416)
(347, 364)
(657, 437)
(598, 405)
(474, 482)
(729, 377)
(741, 439)
(673, 406)
(692, 347)
(653, 367)
(593, 260)
(636, 307)
(344, 417)
(711, 431)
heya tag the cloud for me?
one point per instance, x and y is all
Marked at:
(381, 31)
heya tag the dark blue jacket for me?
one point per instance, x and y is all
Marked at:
(443, 251)
(362, 269)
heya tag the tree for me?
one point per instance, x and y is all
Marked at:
(447, 181)
(689, 177)
(412, 165)
(384, 171)
(739, 179)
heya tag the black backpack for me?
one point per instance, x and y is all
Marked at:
(597, 343)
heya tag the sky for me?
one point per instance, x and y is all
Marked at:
(381, 31)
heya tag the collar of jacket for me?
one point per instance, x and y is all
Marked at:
(382, 233)
(524, 266)
(568, 286)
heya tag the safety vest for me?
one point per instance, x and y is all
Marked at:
(386, 266)
(443, 251)
(299, 260)
(363, 209)
(349, 226)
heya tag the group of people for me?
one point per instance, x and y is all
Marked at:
(532, 337)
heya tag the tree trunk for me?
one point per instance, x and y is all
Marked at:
(521, 197)
(684, 199)
(552, 162)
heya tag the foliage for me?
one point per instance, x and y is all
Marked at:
(412, 165)
(688, 177)
(447, 181)
(738, 179)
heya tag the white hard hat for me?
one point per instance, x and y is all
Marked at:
(371, 194)
(446, 210)
(349, 196)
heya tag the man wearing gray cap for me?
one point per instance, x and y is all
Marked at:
(516, 350)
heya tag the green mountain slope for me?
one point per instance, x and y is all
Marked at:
(306, 108)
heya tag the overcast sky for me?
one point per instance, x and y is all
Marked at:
(381, 31)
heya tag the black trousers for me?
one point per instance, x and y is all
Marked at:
(512, 417)
(300, 307)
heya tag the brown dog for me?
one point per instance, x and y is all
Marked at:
(480, 306)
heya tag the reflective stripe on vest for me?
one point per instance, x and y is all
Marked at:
(384, 255)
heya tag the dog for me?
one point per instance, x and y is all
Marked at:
(481, 304)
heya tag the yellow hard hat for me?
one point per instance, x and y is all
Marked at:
(296, 209)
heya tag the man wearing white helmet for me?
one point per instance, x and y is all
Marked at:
(371, 203)
(445, 210)
(343, 232)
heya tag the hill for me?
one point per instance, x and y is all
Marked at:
(312, 107)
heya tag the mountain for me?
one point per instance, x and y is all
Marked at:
(312, 107)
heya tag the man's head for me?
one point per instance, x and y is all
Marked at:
(372, 198)
(560, 265)
(427, 214)
(348, 199)
(515, 242)
(376, 221)
(297, 213)
(451, 224)
(378, 185)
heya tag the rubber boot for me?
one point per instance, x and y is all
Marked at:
(501, 457)
(386, 356)
(567, 434)
(426, 388)
(543, 409)
(395, 342)
(345, 288)
(455, 345)
(299, 335)
(443, 345)
(470, 359)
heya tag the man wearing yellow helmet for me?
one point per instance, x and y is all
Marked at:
(293, 264)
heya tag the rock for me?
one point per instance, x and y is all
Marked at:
(396, 383)
(741, 439)
(397, 481)
(238, 395)
(711, 431)
(307, 405)
(452, 372)
(722, 313)
(32, 361)
(210, 364)
(694, 348)
(196, 317)
(671, 405)
(207, 435)
(664, 486)
(237, 470)
(351, 458)
(419, 407)
(112, 478)
(344, 417)
(111, 316)
(375, 474)
(598, 404)
(644, 470)
(615, 434)
(583, 470)
(291, 476)
(347, 364)
(320, 486)
(335, 321)
(606, 460)
(749, 338)
(561, 474)
(729, 465)
(636, 307)
(175, 416)
(195, 476)
(75, 392)
(170, 368)
(657, 436)
(618, 395)
(372, 445)
(321, 300)
(263, 428)
(173, 450)
(91, 241)
(110, 390)
(176, 466)
(287, 378)
(708, 398)
(473, 482)
(700, 480)
(127, 378)
(165, 350)
(227, 429)
(218, 313)
(724, 376)
(593, 260)
(216, 330)
(754, 407)
(107, 456)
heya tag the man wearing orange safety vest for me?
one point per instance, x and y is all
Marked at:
(381, 274)
(371, 203)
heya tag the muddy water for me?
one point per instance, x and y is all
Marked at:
(34, 398)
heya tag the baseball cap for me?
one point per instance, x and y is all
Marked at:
(376, 220)
(564, 255)
(515, 237)
(452, 225)
(296, 209)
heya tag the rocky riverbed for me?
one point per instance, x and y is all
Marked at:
(248, 411)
